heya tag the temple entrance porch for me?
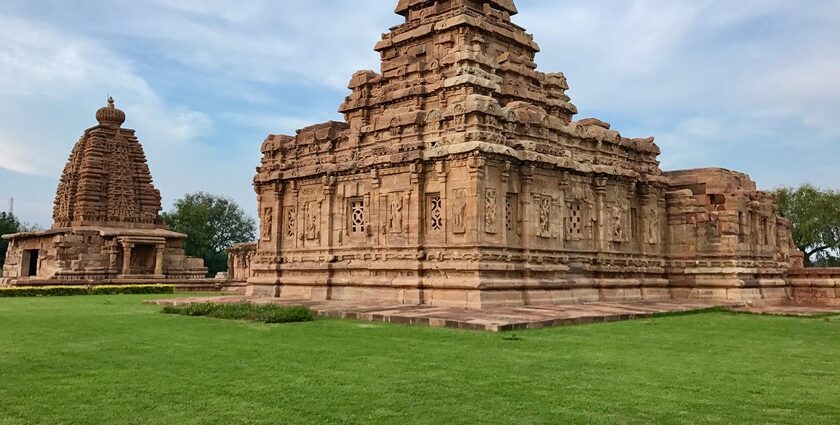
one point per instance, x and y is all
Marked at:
(141, 257)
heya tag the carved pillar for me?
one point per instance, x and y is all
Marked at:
(277, 219)
(126, 266)
(563, 184)
(529, 223)
(440, 170)
(476, 192)
(416, 210)
(159, 253)
(599, 230)
(327, 221)
(504, 191)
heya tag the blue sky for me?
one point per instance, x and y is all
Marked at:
(751, 85)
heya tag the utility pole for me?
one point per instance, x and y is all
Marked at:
(11, 206)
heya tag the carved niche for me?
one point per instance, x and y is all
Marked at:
(490, 211)
(395, 212)
(544, 216)
(653, 226)
(313, 220)
(618, 232)
(459, 212)
(266, 224)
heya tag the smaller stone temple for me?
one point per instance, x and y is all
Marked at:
(106, 223)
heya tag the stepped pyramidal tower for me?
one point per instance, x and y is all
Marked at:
(106, 223)
(460, 177)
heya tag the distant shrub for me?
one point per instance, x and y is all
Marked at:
(133, 289)
(244, 311)
(63, 291)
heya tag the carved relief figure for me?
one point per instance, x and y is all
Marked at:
(617, 224)
(395, 213)
(313, 220)
(490, 209)
(653, 226)
(544, 222)
(459, 213)
(267, 221)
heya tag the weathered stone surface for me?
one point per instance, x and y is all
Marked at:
(107, 227)
(460, 178)
(493, 319)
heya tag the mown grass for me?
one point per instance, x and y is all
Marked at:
(111, 359)
(243, 311)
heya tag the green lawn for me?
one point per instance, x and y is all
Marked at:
(113, 360)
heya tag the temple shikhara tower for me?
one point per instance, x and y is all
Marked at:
(106, 223)
(460, 177)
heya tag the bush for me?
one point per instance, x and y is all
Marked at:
(244, 311)
(59, 291)
(134, 289)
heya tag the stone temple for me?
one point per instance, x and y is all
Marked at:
(460, 177)
(107, 228)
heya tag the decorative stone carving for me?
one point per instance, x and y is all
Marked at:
(435, 213)
(313, 220)
(490, 211)
(544, 216)
(395, 212)
(459, 212)
(617, 230)
(267, 223)
(291, 222)
(653, 226)
(358, 222)
(510, 212)
(574, 222)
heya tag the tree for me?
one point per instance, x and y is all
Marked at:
(212, 225)
(8, 224)
(815, 216)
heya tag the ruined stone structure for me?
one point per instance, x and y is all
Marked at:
(106, 224)
(461, 178)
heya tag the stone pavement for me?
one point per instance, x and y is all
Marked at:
(491, 319)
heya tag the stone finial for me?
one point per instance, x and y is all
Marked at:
(110, 116)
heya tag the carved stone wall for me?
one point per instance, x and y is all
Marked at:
(460, 177)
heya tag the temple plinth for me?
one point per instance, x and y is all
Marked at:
(106, 227)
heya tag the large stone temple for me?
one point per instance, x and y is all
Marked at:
(107, 228)
(460, 177)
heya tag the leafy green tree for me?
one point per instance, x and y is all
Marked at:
(8, 224)
(815, 215)
(212, 225)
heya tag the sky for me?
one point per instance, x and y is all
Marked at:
(749, 85)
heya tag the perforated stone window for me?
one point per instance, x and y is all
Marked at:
(357, 215)
(575, 223)
(291, 222)
(510, 213)
(435, 212)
